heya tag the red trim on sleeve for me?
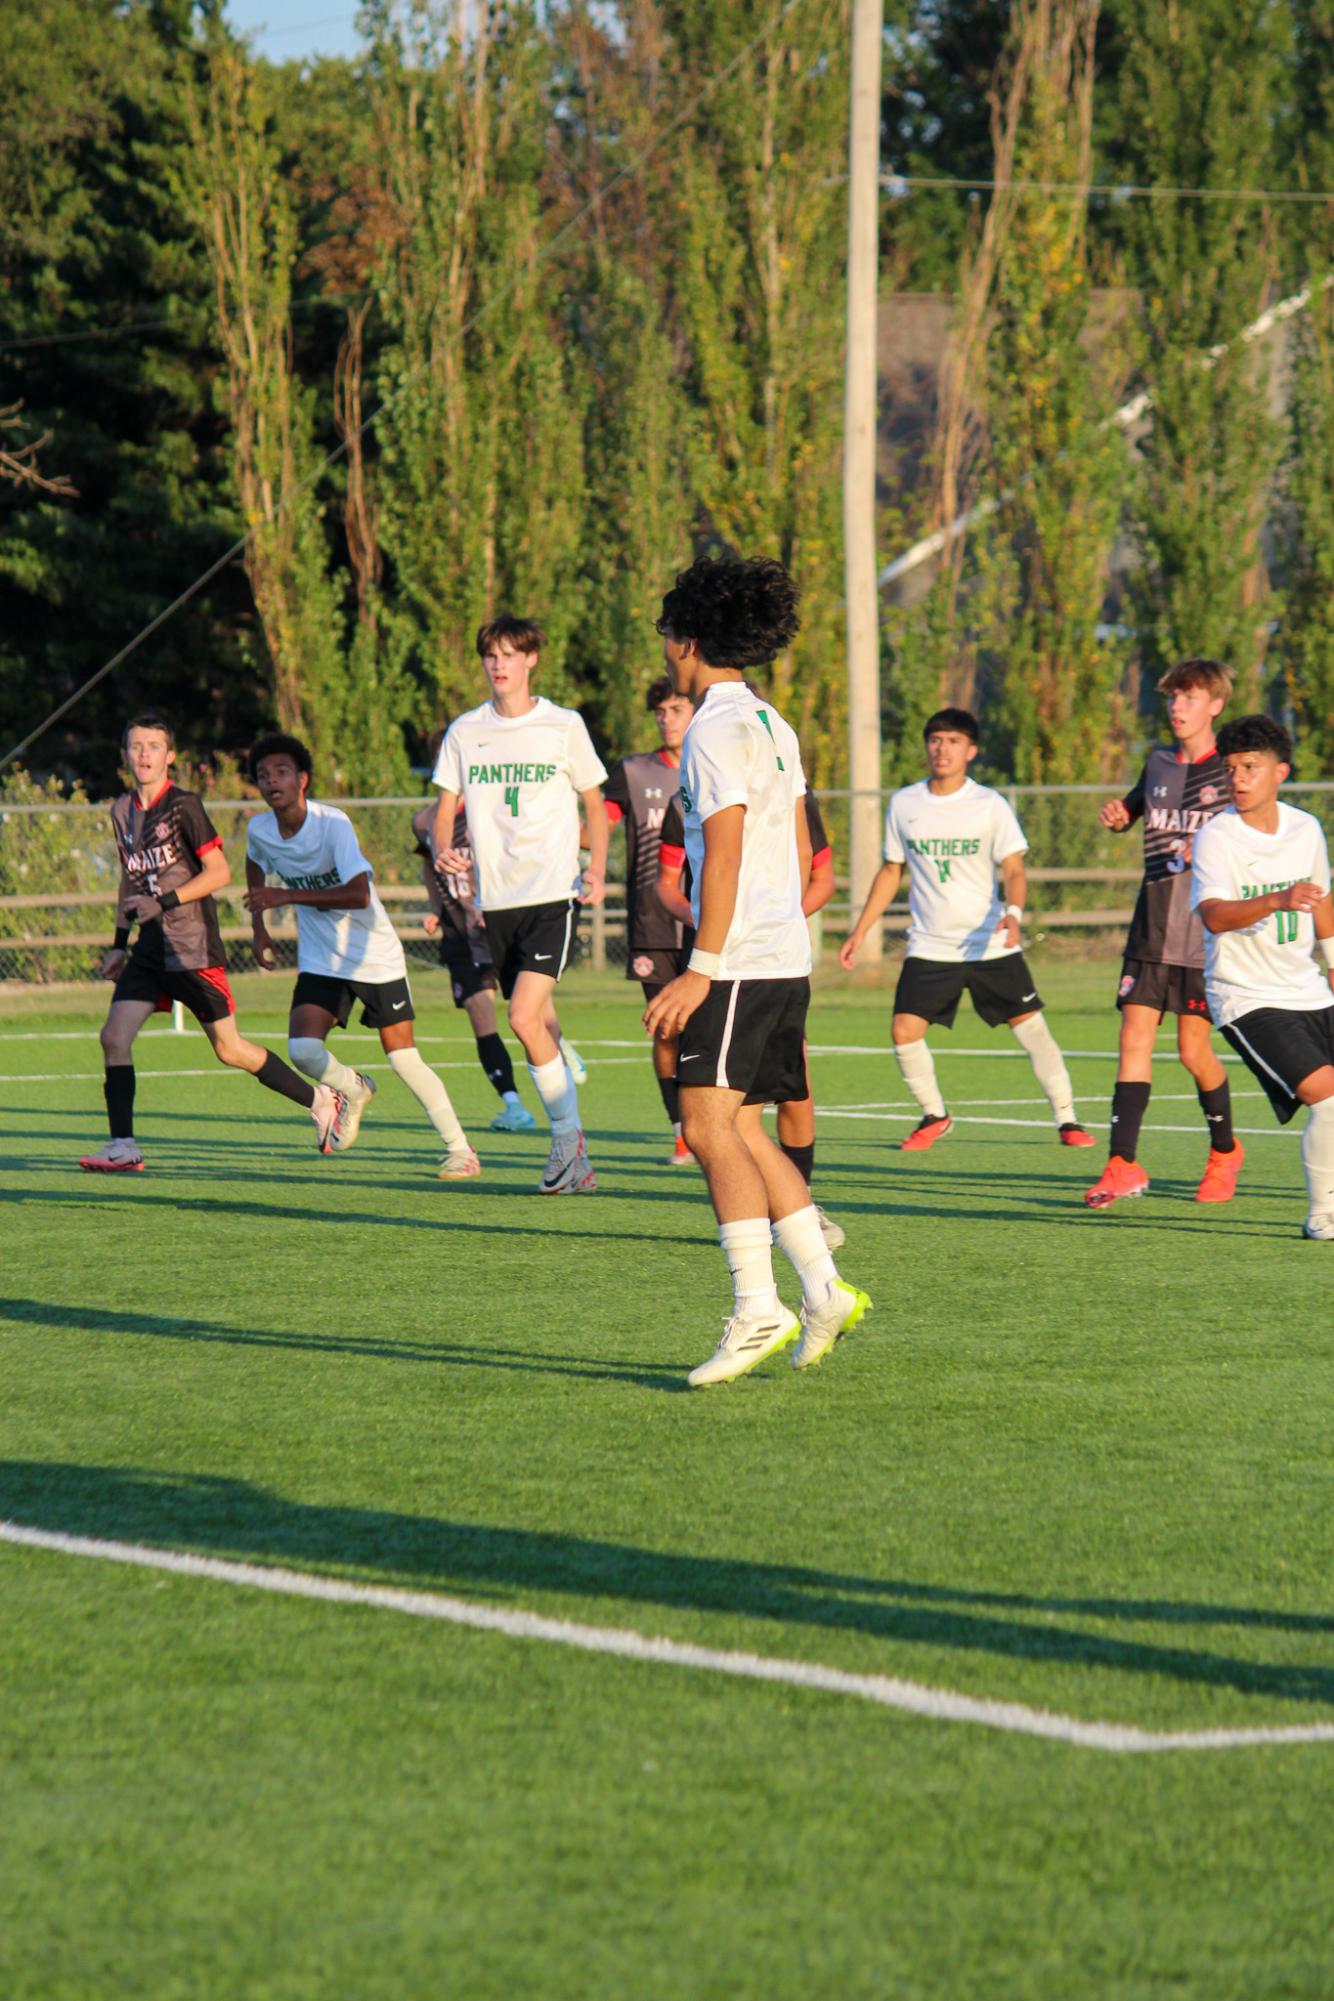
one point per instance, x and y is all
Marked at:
(615, 813)
(826, 854)
(208, 846)
(671, 857)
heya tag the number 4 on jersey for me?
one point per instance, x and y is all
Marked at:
(512, 799)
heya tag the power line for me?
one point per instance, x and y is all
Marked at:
(1114, 190)
(340, 450)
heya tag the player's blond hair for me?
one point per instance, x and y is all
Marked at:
(1212, 675)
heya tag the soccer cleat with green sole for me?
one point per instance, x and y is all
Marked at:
(843, 1309)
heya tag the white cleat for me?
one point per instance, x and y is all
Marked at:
(843, 1308)
(1319, 1224)
(118, 1156)
(329, 1112)
(575, 1064)
(357, 1102)
(460, 1165)
(835, 1236)
(745, 1344)
(568, 1170)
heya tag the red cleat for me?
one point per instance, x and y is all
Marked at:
(1118, 1179)
(1220, 1175)
(1074, 1135)
(927, 1133)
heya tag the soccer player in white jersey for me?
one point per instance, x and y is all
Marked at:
(1260, 882)
(740, 1006)
(955, 838)
(347, 950)
(523, 768)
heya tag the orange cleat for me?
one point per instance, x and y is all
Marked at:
(1074, 1135)
(681, 1154)
(1220, 1175)
(1118, 1179)
(927, 1133)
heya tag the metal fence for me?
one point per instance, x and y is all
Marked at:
(59, 875)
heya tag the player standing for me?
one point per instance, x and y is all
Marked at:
(1180, 789)
(739, 1009)
(522, 767)
(955, 837)
(640, 791)
(172, 864)
(347, 950)
(1260, 883)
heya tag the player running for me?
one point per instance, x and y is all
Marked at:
(641, 790)
(739, 1009)
(522, 768)
(796, 1118)
(955, 837)
(347, 950)
(172, 865)
(1260, 883)
(1181, 788)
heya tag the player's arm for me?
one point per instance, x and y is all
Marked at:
(261, 943)
(1118, 814)
(447, 857)
(355, 894)
(594, 885)
(214, 874)
(1014, 889)
(113, 960)
(718, 879)
(1218, 913)
(881, 894)
(671, 874)
(1323, 916)
(819, 883)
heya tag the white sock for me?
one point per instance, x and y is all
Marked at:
(748, 1248)
(918, 1068)
(511, 1097)
(319, 1063)
(801, 1240)
(1318, 1158)
(1040, 1047)
(430, 1093)
(555, 1087)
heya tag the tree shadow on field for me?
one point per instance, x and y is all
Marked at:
(663, 1376)
(229, 1517)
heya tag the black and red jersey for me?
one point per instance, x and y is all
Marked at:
(161, 847)
(672, 847)
(641, 791)
(1174, 798)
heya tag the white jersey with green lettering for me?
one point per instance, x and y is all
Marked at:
(953, 843)
(1269, 964)
(520, 778)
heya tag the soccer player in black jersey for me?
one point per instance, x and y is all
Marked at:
(1180, 789)
(171, 864)
(638, 793)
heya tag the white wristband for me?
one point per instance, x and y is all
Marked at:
(1325, 947)
(1015, 910)
(705, 962)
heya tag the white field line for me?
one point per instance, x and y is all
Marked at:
(223, 1069)
(890, 1112)
(915, 1698)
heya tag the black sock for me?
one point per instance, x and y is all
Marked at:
(1217, 1108)
(1129, 1104)
(671, 1099)
(802, 1158)
(275, 1076)
(495, 1060)
(118, 1090)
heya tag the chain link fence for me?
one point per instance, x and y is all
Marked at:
(59, 876)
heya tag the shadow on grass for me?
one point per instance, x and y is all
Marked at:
(664, 1376)
(234, 1518)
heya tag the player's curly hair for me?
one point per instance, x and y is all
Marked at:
(739, 611)
(1255, 733)
(278, 744)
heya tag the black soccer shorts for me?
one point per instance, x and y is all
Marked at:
(1166, 989)
(532, 938)
(383, 1002)
(466, 977)
(748, 1036)
(1281, 1046)
(204, 991)
(999, 989)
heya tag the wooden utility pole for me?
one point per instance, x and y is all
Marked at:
(859, 451)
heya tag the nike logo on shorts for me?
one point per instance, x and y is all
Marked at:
(398, 1005)
(544, 955)
(1029, 997)
(692, 1058)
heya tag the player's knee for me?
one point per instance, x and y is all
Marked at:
(114, 1046)
(902, 1032)
(306, 1054)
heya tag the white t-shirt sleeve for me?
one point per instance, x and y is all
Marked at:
(719, 770)
(255, 851)
(586, 767)
(1007, 836)
(1210, 877)
(1320, 872)
(347, 856)
(894, 848)
(448, 773)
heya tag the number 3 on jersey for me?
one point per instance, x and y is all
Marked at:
(512, 799)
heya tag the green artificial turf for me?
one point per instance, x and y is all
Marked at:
(1079, 1462)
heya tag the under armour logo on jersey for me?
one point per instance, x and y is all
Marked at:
(653, 791)
(1160, 792)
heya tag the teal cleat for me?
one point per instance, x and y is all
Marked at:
(514, 1119)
